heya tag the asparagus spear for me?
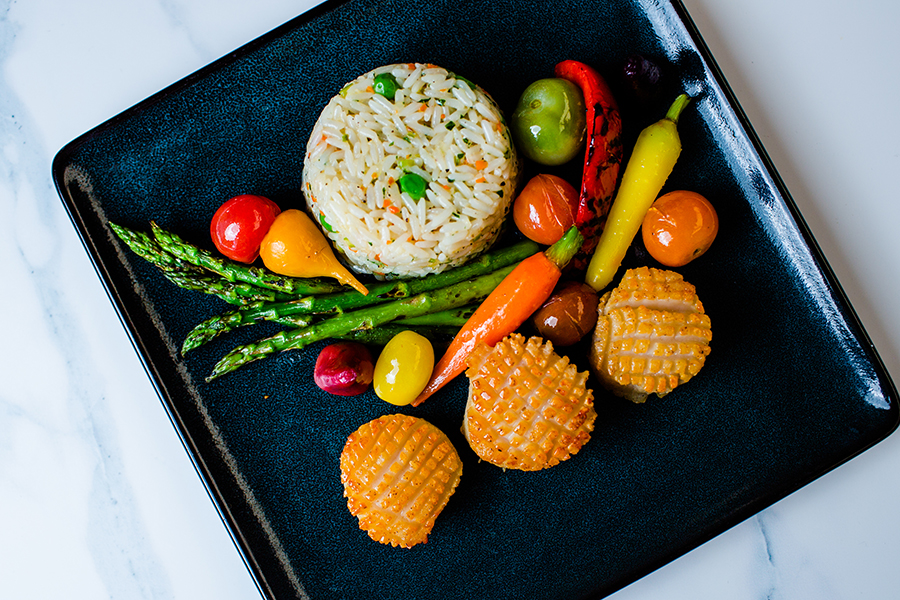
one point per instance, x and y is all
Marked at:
(452, 296)
(380, 336)
(391, 290)
(217, 325)
(238, 294)
(211, 328)
(454, 317)
(191, 277)
(235, 271)
(349, 300)
(145, 247)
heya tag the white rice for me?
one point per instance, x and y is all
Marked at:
(439, 127)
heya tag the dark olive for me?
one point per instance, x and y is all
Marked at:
(643, 75)
(641, 71)
(568, 315)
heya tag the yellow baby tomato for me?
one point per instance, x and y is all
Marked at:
(403, 368)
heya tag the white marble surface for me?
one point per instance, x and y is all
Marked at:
(97, 496)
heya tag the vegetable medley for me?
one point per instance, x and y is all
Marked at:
(554, 282)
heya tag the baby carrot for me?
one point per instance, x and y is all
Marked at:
(520, 293)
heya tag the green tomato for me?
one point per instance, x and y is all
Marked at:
(403, 368)
(549, 122)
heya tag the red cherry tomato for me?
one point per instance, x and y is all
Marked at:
(240, 224)
(545, 209)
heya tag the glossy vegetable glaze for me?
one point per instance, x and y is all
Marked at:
(657, 149)
(643, 75)
(294, 246)
(602, 155)
(386, 85)
(545, 208)
(568, 315)
(403, 368)
(344, 369)
(679, 227)
(548, 124)
(310, 547)
(238, 226)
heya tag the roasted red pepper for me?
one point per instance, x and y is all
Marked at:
(602, 157)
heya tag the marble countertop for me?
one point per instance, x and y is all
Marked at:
(98, 498)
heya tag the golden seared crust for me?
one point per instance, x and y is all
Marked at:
(528, 407)
(652, 334)
(398, 473)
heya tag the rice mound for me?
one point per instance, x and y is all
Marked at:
(439, 126)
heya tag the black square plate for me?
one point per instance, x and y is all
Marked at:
(792, 388)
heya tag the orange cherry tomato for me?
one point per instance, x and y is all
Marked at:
(679, 227)
(545, 209)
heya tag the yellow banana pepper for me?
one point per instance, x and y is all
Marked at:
(654, 156)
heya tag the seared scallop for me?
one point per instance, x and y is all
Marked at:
(652, 334)
(528, 407)
(398, 473)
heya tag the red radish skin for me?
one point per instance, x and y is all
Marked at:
(344, 369)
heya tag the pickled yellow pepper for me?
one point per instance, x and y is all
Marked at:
(652, 160)
(295, 247)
